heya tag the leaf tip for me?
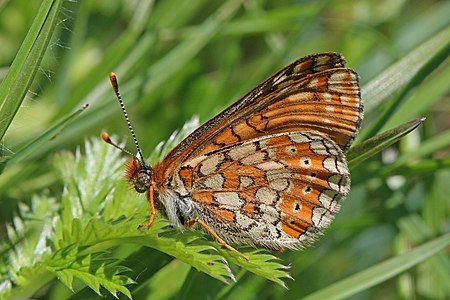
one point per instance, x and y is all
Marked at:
(417, 122)
(421, 120)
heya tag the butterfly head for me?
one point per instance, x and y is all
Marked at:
(139, 174)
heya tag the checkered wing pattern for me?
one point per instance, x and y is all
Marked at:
(276, 191)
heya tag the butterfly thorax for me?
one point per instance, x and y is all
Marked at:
(174, 196)
(177, 209)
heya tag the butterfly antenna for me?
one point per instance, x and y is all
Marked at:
(105, 137)
(115, 86)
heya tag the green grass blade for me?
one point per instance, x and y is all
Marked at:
(430, 64)
(380, 142)
(381, 272)
(403, 71)
(23, 70)
(425, 96)
(32, 148)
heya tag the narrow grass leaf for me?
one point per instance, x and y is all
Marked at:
(27, 61)
(33, 148)
(381, 272)
(380, 142)
(403, 71)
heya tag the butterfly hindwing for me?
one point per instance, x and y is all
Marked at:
(277, 191)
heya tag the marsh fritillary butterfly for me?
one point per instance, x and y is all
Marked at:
(269, 170)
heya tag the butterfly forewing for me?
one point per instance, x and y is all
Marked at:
(327, 103)
(297, 70)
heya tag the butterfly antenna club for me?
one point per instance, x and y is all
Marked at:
(105, 137)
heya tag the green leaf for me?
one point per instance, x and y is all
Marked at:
(380, 142)
(94, 272)
(262, 264)
(188, 248)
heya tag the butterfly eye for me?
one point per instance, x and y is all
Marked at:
(142, 181)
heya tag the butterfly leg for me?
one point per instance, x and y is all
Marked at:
(151, 201)
(190, 223)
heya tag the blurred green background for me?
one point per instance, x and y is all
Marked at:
(177, 59)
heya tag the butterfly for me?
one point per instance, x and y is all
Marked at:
(268, 171)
